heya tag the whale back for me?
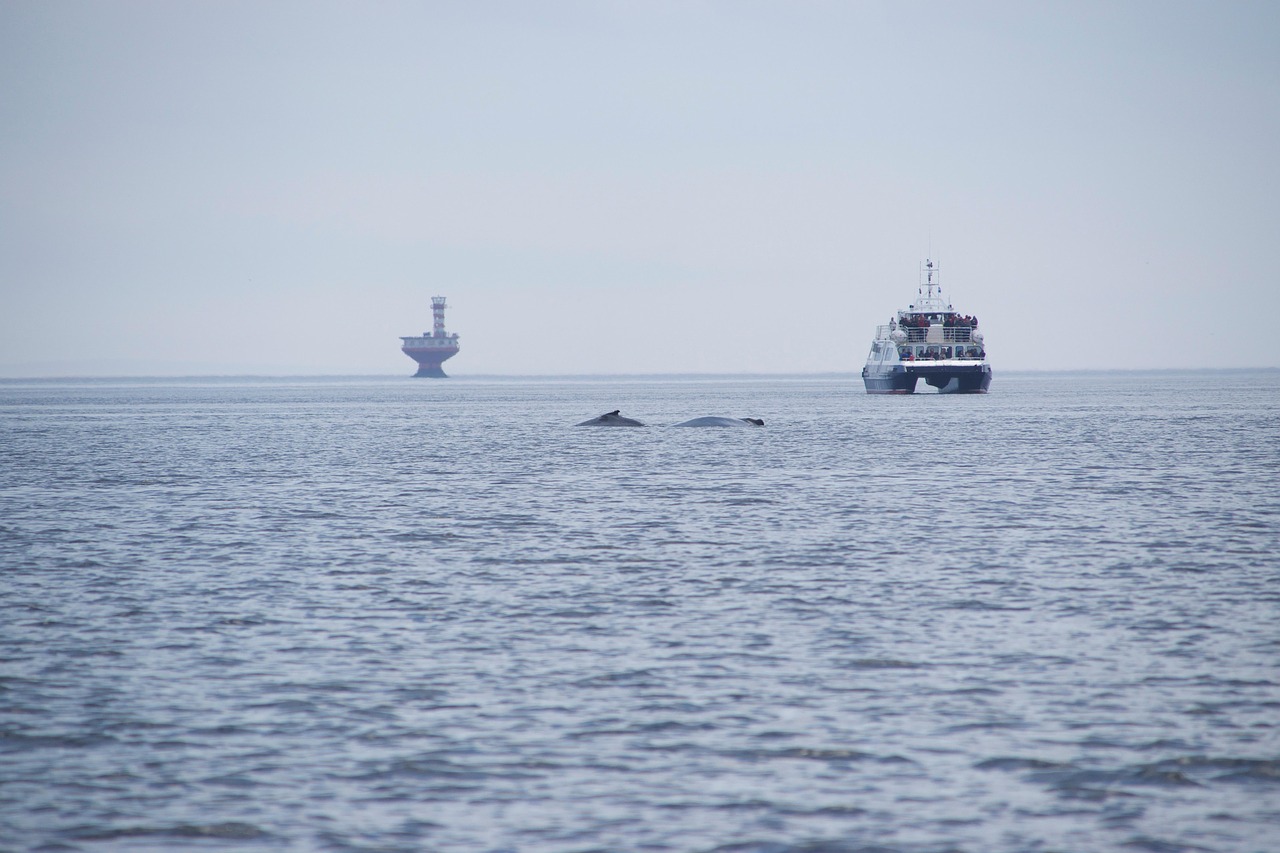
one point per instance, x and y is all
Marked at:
(611, 419)
(713, 421)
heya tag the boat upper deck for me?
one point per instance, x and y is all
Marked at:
(952, 330)
(930, 328)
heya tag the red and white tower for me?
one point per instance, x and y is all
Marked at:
(431, 350)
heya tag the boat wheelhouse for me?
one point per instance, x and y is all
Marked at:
(930, 341)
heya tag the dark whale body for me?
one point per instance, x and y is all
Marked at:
(611, 419)
(721, 422)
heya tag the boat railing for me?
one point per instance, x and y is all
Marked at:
(949, 334)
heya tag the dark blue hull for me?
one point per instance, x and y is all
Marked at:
(948, 379)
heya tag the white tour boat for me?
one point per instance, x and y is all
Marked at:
(929, 341)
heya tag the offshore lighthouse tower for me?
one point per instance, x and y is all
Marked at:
(430, 351)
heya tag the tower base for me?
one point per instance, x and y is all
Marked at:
(431, 371)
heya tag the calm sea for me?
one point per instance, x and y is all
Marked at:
(415, 615)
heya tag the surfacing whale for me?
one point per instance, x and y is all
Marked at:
(611, 419)
(721, 422)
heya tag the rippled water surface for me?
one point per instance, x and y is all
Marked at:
(434, 615)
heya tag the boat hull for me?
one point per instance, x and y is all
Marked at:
(948, 379)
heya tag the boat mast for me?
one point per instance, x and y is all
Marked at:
(928, 271)
(929, 299)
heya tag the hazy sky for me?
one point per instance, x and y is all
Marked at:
(633, 187)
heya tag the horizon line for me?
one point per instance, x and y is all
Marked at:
(658, 375)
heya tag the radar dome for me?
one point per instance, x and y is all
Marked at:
(898, 336)
(977, 337)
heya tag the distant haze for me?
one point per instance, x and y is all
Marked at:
(632, 187)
